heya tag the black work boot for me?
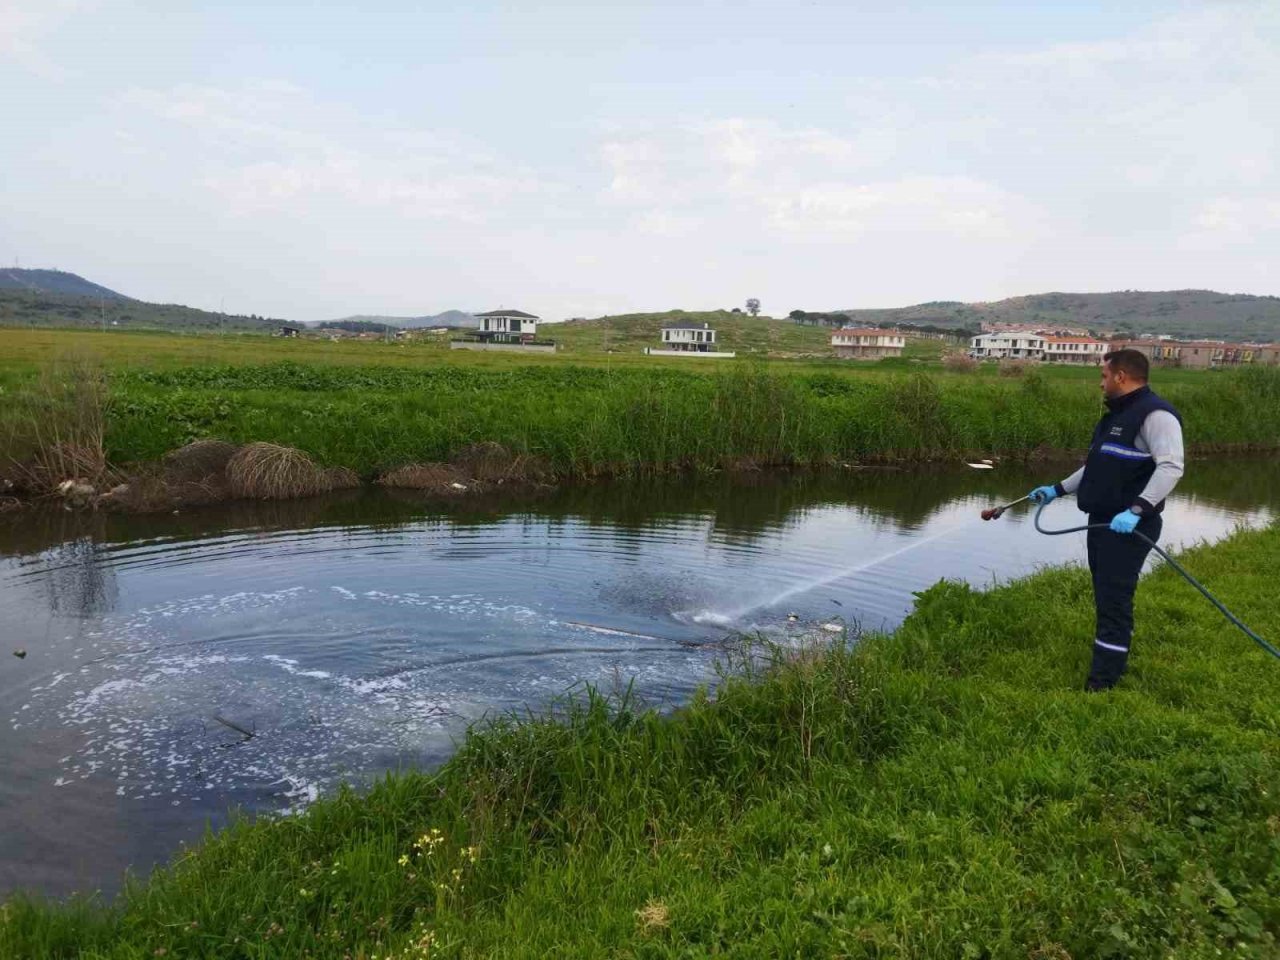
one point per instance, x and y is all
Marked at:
(1109, 664)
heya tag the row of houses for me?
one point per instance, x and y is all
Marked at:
(1203, 353)
(1053, 348)
(1019, 345)
(515, 329)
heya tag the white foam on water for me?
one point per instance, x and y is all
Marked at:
(706, 618)
(145, 711)
(291, 666)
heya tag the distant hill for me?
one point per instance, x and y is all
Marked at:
(356, 326)
(1180, 313)
(52, 298)
(54, 281)
(450, 318)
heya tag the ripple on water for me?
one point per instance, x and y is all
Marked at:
(152, 702)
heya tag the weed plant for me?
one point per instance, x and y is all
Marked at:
(945, 791)
(55, 428)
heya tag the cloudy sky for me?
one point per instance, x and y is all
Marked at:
(575, 158)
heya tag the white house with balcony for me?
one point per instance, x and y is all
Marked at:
(1007, 346)
(688, 339)
(867, 343)
(504, 330)
(507, 325)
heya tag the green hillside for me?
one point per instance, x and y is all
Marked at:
(28, 308)
(54, 281)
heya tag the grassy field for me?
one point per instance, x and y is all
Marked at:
(946, 791)
(611, 341)
(747, 336)
(371, 406)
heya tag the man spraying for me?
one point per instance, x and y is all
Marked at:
(1135, 460)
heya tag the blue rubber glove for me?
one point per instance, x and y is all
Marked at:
(1044, 494)
(1125, 522)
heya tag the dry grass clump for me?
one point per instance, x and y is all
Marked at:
(1015, 368)
(958, 362)
(268, 471)
(341, 478)
(54, 429)
(147, 493)
(473, 469)
(490, 462)
(652, 917)
(437, 477)
(199, 461)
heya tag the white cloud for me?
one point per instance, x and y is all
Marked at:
(270, 146)
(25, 24)
(761, 174)
(941, 205)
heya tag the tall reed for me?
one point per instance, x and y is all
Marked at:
(54, 427)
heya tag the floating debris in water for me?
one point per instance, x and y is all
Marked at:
(20, 653)
(248, 735)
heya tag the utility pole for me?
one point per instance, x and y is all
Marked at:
(102, 313)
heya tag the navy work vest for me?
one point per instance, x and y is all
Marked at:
(1116, 472)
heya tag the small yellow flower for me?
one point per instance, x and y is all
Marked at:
(404, 860)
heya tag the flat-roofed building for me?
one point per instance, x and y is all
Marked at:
(1007, 346)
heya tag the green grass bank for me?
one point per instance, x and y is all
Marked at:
(944, 791)
(585, 420)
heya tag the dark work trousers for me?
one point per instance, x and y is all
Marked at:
(1115, 561)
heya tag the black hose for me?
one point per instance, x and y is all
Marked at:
(1173, 563)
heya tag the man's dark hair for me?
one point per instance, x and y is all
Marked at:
(1134, 363)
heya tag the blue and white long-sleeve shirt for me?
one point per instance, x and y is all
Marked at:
(1160, 436)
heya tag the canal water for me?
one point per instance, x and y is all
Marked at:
(361, 633)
